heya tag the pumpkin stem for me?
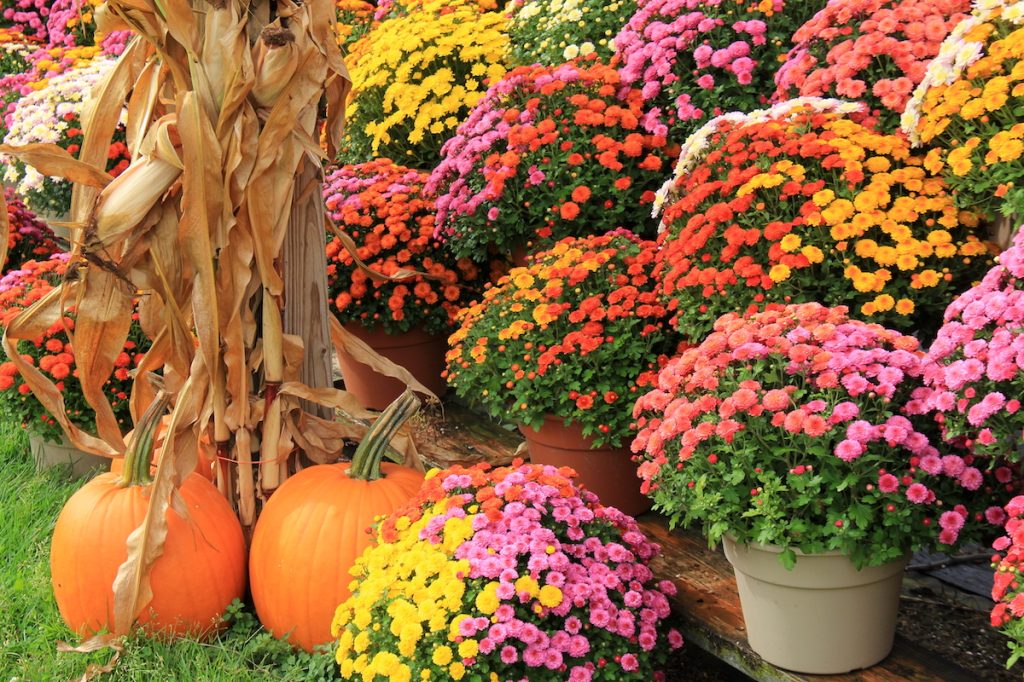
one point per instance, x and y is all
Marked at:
(366, 460)
(139, 455)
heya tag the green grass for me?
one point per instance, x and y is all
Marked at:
(30, 624)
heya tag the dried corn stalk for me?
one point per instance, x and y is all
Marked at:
(223, 102)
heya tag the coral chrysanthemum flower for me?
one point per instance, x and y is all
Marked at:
(874, 51)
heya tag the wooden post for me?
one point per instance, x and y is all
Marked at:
(304, 259)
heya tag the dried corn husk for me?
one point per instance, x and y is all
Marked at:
(126, 201)
(107, 22)
(222, 103)
(276, 57)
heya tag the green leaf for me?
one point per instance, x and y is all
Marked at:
(717, 530)
(861, 515)
(1015, 656)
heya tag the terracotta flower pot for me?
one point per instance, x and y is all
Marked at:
(607, 472)
(823, 617)
(519, 257)
(420, 353)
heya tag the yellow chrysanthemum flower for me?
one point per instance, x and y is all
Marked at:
(418, 74)
(442, 655)
(779, 272)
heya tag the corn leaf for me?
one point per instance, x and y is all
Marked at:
(31, 323)
(102, 322)
(49, 159)
(99, 121)
(201, 208)
(132, 588)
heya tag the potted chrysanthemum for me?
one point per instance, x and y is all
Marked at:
(416, 75)
(15, 48)
(695, 59)
(1007, 588)
(806, 202)
(511, 573)
(28, 238)
(51, 113)
(964, 111)
(399, 289)
(548, 153)
(975, 372)
(563, 346)
(51, 354)
(873, 51)
(553, 32)
(354, 19)
(784, 435)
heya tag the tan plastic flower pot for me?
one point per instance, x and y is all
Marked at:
(1002, 229)
(46, 455)
(609, 473)
(823, 617)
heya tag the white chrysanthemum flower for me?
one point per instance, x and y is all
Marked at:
(955, 56)
(40, 116)
(695, 146)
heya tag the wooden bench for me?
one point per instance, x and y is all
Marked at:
(707, 603)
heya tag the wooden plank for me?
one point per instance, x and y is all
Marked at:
(972, 574)
(453, 434)
(708, 604)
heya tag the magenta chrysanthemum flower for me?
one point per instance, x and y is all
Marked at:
(917, 493)
(694, 59)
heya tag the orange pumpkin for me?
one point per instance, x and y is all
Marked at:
(314, 527)
(202, 568)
